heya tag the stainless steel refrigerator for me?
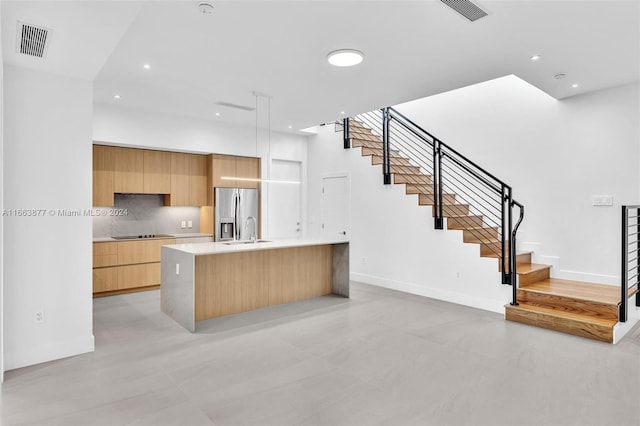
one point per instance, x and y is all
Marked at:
(235, 213)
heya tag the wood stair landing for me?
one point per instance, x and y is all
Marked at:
(573, 307)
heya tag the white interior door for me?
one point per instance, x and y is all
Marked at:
(285, 219)
(336, 202)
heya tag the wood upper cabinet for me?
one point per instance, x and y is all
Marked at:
(156, 172)
(180, 164)
(248, 167)
(103, 162)
(188, 180)
(128, 174)
(198, 180)
(232, 166)
(223, 166)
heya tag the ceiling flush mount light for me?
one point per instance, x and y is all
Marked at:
(345, 57)
(206, 8)
(535, 58)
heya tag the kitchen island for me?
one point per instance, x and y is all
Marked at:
(209, 280)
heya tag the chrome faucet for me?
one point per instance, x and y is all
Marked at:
(253, 237)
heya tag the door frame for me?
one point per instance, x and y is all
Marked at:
(333, 175)
(303, 193)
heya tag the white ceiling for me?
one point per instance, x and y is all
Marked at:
(413, 49)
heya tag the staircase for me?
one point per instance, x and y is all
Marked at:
(579, 308)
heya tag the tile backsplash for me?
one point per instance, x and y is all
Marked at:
(145, 214)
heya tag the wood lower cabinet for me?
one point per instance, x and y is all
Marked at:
(125, 266)
(105, 280)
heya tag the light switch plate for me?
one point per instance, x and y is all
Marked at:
(602, 200)
(183, 224)
(190, 224)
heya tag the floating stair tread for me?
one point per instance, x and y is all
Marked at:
(600, 293)
(585, 319)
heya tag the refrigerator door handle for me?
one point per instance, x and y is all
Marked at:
(238, 216)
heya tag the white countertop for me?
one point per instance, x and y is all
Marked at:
(185, 235)
(219, 248)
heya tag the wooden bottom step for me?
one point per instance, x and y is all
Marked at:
(566, 322)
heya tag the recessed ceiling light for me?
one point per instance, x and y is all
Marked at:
(291, 127)
(116, 96)
(342, 112)
(574, 85)
(205, 8)
(217, 114)
(345, 57)
(535, 57)
(147, 66)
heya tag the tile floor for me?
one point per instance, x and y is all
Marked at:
(379, 358)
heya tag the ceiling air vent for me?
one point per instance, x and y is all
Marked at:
(32, 40)
(230, 105)
(469, 10)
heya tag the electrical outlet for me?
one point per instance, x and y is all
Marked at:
(39, 317)
(602, 200)
(190, 224)
(183, 224)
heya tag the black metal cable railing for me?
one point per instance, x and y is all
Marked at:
(630, 271)
(479, 202)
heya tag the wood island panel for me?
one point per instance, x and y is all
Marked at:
(238, 282)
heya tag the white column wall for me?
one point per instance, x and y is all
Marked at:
(47, 259)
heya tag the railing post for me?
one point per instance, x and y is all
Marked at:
(437, 185)
(513, 256)
(624, 277)
(386, 160)
(505, 231)
(345, 133)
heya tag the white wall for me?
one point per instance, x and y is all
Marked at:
(393, 243)
(556, 155)
(117, 125)
(47, 259)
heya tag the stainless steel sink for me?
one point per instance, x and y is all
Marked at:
(233, 243)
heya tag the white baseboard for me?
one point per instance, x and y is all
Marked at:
(48, 352)
(491, 305)
(588, 277)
